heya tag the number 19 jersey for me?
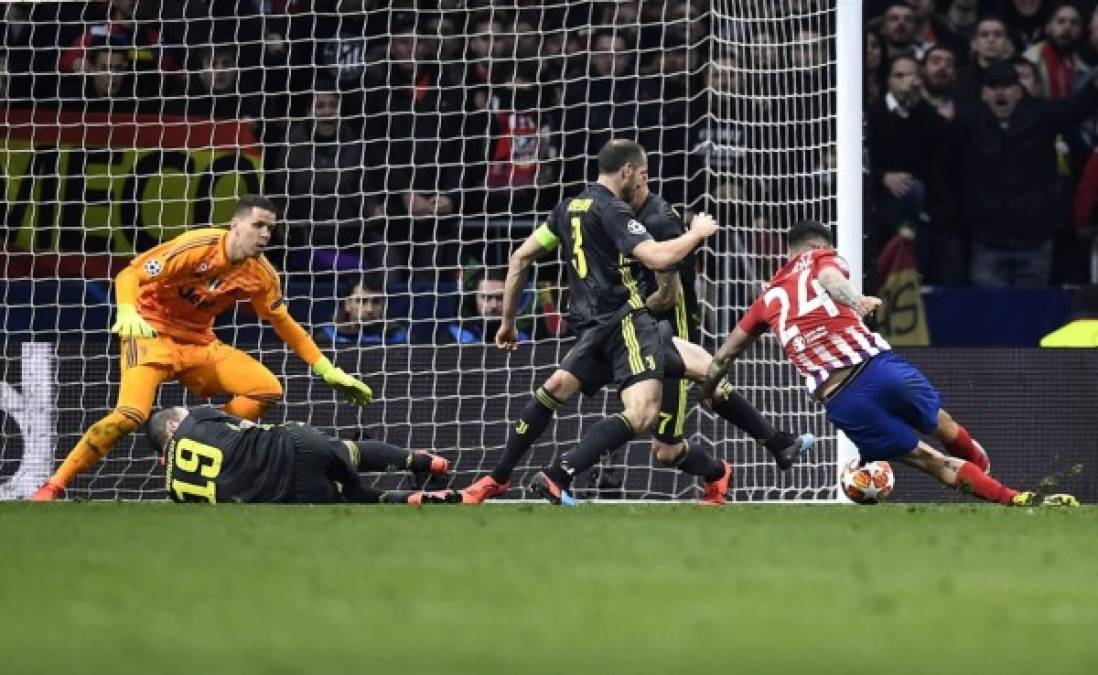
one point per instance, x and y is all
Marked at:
(818, 335)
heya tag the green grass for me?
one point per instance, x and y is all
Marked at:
(160, 588)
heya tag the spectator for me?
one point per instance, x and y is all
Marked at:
(961, 19)
(487, 60)
(898, 30)
(1060, 68)
(321, 173)
(488, 299)
(873, 79)
(939, 78)
(360, 319)
(990, 44)
(213, 90)
(1008, 146)
(1089, 49)
(904, 131)
(146, 53)
(106, 83)
(1027, 75)
(931, 29)
(1026, 19)
(413, 130)
(511, 150)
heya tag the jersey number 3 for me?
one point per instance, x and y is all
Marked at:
(804, 304)
(205, 460)
(579, 260)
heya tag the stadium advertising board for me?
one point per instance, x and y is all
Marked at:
(118, 183)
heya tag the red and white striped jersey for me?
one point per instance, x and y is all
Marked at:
(817, 334)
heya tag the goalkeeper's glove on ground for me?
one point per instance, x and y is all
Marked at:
(130, 324)
(352, 389)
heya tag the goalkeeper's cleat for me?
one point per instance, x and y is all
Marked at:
(1060, 499)
(49, 492)
(716, 491)
(439, 466)
(799, 445)
(436, 497)
(543, 486)
(483, 489)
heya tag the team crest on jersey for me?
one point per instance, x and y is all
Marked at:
(799, 344)
(635, 227)
(202, 267)
(153, 267)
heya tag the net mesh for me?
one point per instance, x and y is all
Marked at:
(410, 150)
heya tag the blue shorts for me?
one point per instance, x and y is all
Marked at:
(881, 409)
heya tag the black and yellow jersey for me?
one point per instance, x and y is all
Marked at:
(215, 457)
(597, 233)
(663, 222)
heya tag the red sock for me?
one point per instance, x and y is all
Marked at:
(964, 447)
(972, 479)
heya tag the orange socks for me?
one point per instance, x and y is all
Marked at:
(96, 442)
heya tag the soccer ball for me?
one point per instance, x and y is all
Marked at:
(868, 483)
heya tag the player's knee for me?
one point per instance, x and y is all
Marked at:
(667, 454)
(561, 385)
(642, 417)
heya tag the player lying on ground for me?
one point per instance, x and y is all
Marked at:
(879, 400)
(673, 302)
(213, 457)
(168, 299)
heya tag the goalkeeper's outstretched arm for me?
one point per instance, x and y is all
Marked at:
(518, 266)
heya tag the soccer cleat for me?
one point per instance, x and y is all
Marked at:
(1026, 498)
(483, 489)
(48, 493)
(716, 491)
(436, 497)
(1060, 499)
(543, 486)
(787, 456)
(440, 466)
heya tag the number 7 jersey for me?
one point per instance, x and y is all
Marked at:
(818, 335)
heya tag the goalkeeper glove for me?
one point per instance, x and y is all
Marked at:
(352, 389)
(130, 324)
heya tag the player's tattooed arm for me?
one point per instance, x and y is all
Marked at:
(842, 291)
(735, 345)
(668, 289)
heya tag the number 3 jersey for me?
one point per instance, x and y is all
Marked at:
(214, 458)
(818, 335)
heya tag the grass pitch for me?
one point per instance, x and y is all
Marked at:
(160, 588)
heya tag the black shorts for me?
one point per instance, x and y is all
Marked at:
(624, 350)
(320, 462)
(673, 408)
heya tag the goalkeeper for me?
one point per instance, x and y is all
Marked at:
(168, 298)
(213, 457)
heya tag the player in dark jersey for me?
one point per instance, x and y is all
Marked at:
(676, 303)
(882, 402)
(213, 457)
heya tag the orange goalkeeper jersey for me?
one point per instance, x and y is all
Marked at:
(186, 282)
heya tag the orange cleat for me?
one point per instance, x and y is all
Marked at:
(49, 492)
(716, 491)
(440, 466)
(483, 489)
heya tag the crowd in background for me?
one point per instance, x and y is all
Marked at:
(414, 142)
(981, 127)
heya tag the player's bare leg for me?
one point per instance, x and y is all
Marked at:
(135, 398)
(967, 477)
(642, 407)
(956, 440)
(535, 417)
(733, 407)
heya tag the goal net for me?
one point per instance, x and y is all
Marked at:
(410, 147)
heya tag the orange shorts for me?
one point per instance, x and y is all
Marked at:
(205, 370)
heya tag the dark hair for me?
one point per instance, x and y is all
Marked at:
(487, 273)
(991, 16)
(617, 153)
(804, 230)
(1057, 6)
(248, 202)
(371, 281)
(902, 56)
(157, 427)
(937, 47)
